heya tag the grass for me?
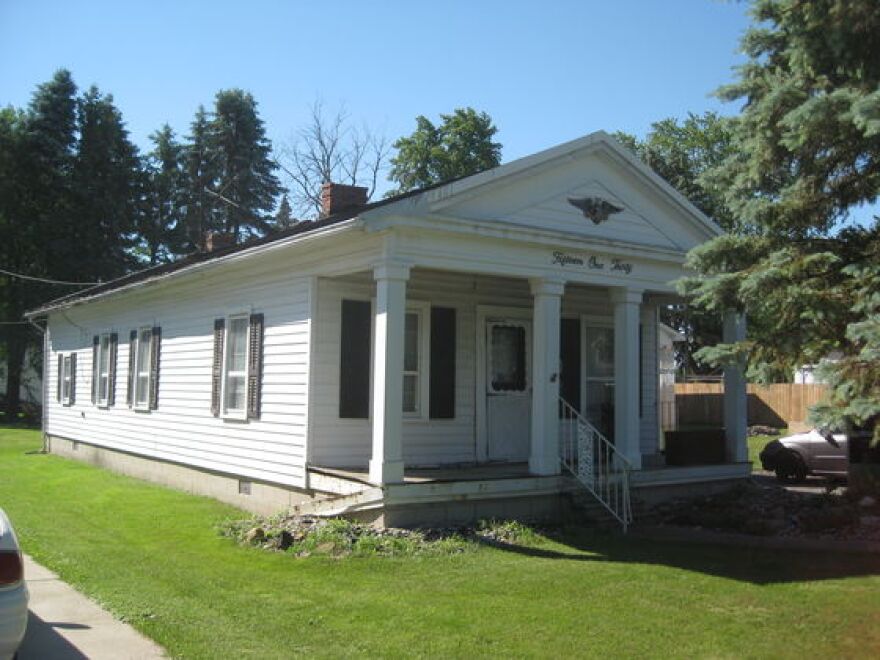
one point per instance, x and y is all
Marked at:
(154, 558)
(757, 444)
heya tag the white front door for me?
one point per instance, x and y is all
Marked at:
(508, 391)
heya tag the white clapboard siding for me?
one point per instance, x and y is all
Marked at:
(347, 442)
(182, 429)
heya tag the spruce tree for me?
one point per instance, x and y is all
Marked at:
(246, 184)
(161, 229)
(284, 217)
(200, 178)
(106, 182)
(806, 154)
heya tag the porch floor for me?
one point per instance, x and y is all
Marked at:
(486, 472)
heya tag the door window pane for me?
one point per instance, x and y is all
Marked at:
(508, 358)
(600, 352)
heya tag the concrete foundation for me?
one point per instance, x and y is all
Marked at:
(540, 508)
(426, 503)
(254, 496)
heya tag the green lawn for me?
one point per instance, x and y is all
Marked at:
(151, 555)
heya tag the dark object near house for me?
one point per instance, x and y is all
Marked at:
(703, 447)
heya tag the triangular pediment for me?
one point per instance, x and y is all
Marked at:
(536, 192)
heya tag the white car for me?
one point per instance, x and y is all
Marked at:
(13, 591)
(815, 452)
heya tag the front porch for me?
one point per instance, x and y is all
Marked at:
(460, 375)
(462, 494)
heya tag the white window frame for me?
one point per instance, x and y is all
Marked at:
(228, 413)
(138, 368)
(66, 378)
(105, 401)
(423, 311)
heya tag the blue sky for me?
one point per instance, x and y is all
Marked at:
(546, 71)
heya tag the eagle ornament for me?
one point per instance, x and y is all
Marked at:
(595, 208)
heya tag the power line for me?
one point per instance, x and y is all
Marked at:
(46, 280)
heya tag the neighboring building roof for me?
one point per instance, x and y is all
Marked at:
(456, 187)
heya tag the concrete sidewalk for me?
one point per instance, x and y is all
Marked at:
(65, 625)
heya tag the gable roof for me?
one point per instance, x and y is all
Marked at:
(439, 195)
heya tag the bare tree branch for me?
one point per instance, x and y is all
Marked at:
(330, 149)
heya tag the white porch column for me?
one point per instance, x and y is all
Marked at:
(627, 429)
(735, 398)
(544, 447)
(386, 464)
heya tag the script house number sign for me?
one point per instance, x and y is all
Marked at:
(593, 262)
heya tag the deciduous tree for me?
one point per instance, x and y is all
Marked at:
(461, 145)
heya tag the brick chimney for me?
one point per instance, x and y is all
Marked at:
(337, 197)
(215, 240)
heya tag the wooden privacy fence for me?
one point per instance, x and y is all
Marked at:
(777, 405)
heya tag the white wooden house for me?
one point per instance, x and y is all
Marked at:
(407, 359)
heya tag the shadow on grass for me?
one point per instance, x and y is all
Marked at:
(753, 565)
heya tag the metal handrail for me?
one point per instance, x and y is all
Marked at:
(595, 462)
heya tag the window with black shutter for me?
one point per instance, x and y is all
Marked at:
(255, 365)
(111, 368)
(237, 369)
(442, 366)
(132, 355)
(155, 346)
(217, 366)
(96, 340)
(355, 358)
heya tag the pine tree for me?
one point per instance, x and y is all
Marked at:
(284, 218)
(36, 158)
(806, 153)
(161, 228)
(246, 184)
(200, 177)
(107, 189)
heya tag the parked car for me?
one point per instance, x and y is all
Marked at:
(13, 591)
(814, 452)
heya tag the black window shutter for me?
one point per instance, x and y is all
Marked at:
(132, 352)
(442, 370)
(355, 360)
(217, 366)
(95, 343)
(60, 377)
(570, 357)
(154, 366)
(72, 378)
(111, 369)
(255, 366)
